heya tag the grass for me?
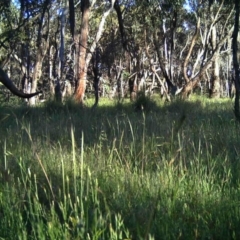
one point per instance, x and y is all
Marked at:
(121, 171)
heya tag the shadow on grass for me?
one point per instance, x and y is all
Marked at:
(169, 169)
(185, 125)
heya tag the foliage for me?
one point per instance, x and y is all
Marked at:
(142, 38)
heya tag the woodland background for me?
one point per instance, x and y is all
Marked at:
(118, 48)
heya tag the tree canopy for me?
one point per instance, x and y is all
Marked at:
(156, 47)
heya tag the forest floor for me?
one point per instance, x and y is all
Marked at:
(152, 170)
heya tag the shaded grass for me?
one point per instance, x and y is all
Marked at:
(171, 172)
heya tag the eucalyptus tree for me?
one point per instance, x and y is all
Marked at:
(82, 50)
(113, 73)
(57, 50)
(48, 43)
(12, 36)
(83, 56)
(94, 53)
(13, 23)
(26, 40)
(30, 52)
(210, 42)
(127, 46)
(167, 25)
(188, 40)
(224, 12)
(129, 43)
(149, 35)
(42, 43)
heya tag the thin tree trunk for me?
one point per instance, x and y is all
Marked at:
(97, 74)
(215, 79)
(235, 60)
(62, 42)
(51, 63)
(132, 81)
(99, 33)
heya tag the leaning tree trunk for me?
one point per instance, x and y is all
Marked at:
(197, 78)
(81, 73)
(235, 60)
(187, 58)
(192, 82)
(7, 82)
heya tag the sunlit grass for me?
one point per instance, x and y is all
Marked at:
(163, 171)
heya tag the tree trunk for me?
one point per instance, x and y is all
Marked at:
(81, 83)
(186, 61)
(51, 64)
(197, 78)
(133, 88)
(42, 46)
(97, 74)
(215, 79)
(4, 78)
(163, 63)
(99, 33)
(36, 76)
(235, 60)
(41, 52)
(133, 81)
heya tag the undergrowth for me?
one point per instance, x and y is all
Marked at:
(168, 171)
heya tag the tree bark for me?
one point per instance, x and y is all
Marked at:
(4, 78)
(82, 70)
(215, 79)
(97, 74)
(162, 62)
(121, 26)
(235, 60)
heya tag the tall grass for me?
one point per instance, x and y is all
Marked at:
(158, 171)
